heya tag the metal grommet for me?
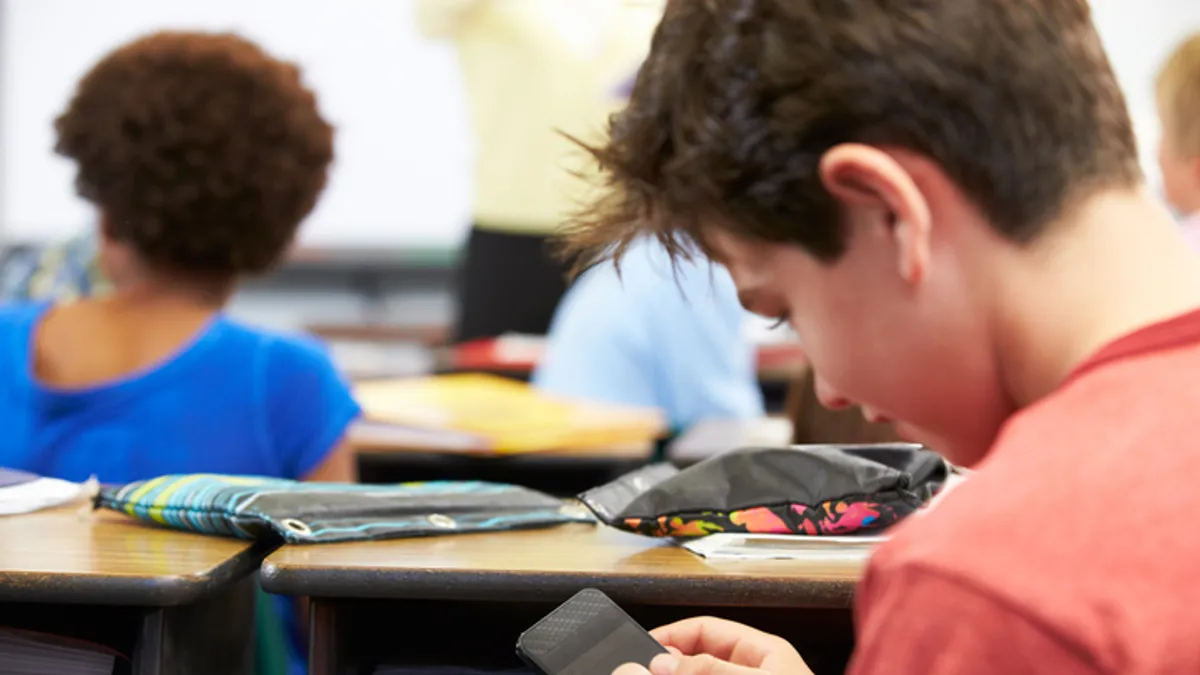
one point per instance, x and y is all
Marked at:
(296, 526)
(444, 522)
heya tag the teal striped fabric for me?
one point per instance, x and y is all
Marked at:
(268, 508)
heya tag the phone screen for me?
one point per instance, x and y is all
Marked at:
(587, 635)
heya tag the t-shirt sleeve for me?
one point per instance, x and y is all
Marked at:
(918, 622)
(309, 406)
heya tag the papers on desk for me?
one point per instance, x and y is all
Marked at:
(739, 546)
(22, 492)
(25, 653)
(470, 412)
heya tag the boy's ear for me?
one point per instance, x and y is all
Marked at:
(876, 190)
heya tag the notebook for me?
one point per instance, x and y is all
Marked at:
(741, 546)
(22, 492)
(27, 653)
(487, 413)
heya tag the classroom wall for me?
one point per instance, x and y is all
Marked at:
(402, 175)
(402, 178)
(427, 99)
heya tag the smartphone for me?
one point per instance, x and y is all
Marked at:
(586, 635)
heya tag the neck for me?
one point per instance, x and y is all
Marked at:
(159, 292)
(1116, 264)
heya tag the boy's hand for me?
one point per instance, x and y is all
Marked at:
(710, 646)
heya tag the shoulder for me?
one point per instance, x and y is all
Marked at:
(924, 621)
(306, 403)
(974, 573)
(279, 350)
(285, 364)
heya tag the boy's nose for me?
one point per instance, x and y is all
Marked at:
(828, 396)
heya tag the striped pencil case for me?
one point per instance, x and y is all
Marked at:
(300, 513)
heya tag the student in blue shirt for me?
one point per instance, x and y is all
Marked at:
(202, 154)
(654, 336)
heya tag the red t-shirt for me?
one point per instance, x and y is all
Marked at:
(1073, 549)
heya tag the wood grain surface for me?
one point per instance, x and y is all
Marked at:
(553, 563)
(102, 557)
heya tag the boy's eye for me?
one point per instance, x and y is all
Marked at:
(780, 321)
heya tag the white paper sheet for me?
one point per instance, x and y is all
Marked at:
(41, 493)
(737, 546)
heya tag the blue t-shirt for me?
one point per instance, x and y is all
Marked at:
(655, 336)
(237, 400)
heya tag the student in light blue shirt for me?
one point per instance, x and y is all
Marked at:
(654, 337)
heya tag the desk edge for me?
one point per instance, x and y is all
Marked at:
(147, 591)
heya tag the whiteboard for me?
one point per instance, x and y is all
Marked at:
(402, 177)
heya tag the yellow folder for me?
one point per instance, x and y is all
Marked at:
(502, 415)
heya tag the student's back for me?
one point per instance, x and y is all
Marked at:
(201, 155)
(657, 334)
(85, 393)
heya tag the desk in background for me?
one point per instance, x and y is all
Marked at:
(372, 350)
(173, 602)
(386, 458)
(464, 599)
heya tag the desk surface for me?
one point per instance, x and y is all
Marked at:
(551, 564)
(63, 555)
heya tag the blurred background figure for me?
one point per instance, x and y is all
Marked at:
(1178, 93)
(654, 336)
(533, 70)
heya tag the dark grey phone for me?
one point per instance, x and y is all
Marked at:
(586, 635)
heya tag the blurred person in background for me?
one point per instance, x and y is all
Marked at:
(1178, 93)
(654, 334)
(201, 154)
(534, 70)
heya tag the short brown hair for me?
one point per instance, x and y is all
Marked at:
(739, 99)
(203, 151)
(1179, 98)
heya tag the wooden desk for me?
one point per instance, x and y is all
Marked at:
(385, 457)
(174, 602)
(475, 593)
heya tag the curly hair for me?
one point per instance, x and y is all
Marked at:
(203, 152)
(739, 99)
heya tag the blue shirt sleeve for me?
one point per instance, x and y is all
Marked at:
(309, 406)
(654, 336)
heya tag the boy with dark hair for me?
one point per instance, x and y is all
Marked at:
(943, 198)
